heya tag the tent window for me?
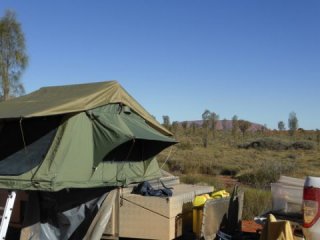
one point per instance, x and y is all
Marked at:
(11, 140)
(137, 150)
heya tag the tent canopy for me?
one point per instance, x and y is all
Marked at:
(48, 101)
(78, 137)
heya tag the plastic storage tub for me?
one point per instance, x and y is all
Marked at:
(286, 198)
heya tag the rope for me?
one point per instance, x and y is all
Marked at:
(23, 139)
(167, 157)
(139, 205)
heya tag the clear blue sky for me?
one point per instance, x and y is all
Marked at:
(258, 60)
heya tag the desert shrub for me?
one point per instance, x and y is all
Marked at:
(259, 178)
(256, 202)
(229, 171)
(190, 167)
(275, 144)
(209, 169)
(174, 166)
(185, 145)
(292, 156)
(266, 143)
(266, 173)
(304, 145)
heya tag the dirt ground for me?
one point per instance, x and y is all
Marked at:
(250, 226)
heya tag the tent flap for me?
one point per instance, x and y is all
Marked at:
(128, 135)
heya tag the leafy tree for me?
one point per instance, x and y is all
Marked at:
(166, 122)
(225, 125)
(184, 125)
(13, 57)
(235, 125)
(292, 123)
(318, 137)
(281, 126)
(193, 127)
(206, 115)
(205, 118)
(213, 122)
(244, 126)
(174, 126)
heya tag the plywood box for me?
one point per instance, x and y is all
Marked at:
(158, 218)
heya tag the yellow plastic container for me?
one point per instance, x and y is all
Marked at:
(220, 194)
(199, 201)
(197, 220)
(197, 212)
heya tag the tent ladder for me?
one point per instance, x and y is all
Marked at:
(7, 211)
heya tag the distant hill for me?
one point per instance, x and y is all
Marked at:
(254, 126)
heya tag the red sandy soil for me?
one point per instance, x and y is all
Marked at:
(250, 226)
(228, 181)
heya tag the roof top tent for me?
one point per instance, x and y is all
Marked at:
(78, 136)
(68, 145)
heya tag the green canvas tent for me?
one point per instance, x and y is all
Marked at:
(78, 136)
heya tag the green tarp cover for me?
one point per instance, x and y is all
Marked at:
(110, 145)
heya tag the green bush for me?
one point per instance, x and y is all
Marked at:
(209, 169)
(256, 202)
(266, 143)
(266, 173)
(275, 144)
(185, 145)
(229, 171)
(175, 166)
(304, 145)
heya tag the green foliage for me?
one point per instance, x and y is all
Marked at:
(276, 144)
(243, 126)
(166, 122)
(292, 123)
(229, 170)
(13, 57)
(174, 126)
(184, 125)
(193, 127)
(266, 144)
(304, 145)
(205, 118)
(213, 122)
(281, 126)
(209, 121)
(235, 125)
(266, 173)
(205, 126)
(256, 202)
(224, 125)
(185, 145)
